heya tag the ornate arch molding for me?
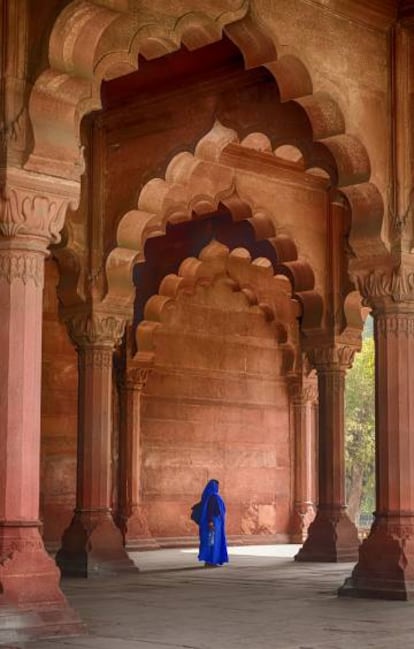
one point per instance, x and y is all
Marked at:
(91, 42)
(195, 185)
(262, 290)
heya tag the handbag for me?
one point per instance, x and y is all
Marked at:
(196, 513)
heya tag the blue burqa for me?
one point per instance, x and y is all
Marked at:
(213, 544)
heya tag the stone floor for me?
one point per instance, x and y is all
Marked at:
(261, 600)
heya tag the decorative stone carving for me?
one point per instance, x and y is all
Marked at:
(395, 324)
(399, 220)
(96, 357)
(16, 537)
(396, 284)
(137, 377)
(332, 356)
(95, 328)
(301, 394)
(13, 131)
(23, 265)
(34, 205)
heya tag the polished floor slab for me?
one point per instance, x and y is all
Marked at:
(261, 600)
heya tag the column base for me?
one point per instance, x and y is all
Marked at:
(136, 532)
(385, 569)
(303, 516)
(332, 538)
(93, 546)
(31, 602)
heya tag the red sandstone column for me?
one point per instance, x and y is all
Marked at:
(133, 521)
(303, 399)
(31, 602)
(332, 535)
(386, 558)
(92, 544)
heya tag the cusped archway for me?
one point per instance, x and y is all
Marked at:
(205, 182)
(115, 38)
(221, 336)
(118, 38)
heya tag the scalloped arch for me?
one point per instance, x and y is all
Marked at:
(195, 185)
(91, 42)
(216, 264)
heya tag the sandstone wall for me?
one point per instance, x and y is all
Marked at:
(216, 407)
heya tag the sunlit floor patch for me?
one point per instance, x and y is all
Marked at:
(278, 551)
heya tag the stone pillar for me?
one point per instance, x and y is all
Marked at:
(133, 521)
(385, 568)
(303, 397)
(332, 535)
(31, 602)
(92, 544)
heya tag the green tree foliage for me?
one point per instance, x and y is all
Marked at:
(360, 432)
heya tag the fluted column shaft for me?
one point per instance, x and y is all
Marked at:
(95, 429)
(21, 286)
(331, 382)
(386, 559)
(132, 517)
(332, 535)
(31, 215)
(93, 544)
(303, 400)
(394, 346)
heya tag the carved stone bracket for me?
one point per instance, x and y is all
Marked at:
(34, 206)
(95, 328)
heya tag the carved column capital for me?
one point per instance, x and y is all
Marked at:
(387, 287)
(95, 329)
(137, 377)
(336, 356)
(33, 207)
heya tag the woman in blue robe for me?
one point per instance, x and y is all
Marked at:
(213, 544)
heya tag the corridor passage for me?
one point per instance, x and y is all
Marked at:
(261, 600)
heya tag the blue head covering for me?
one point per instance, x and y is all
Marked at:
(211, 489)
(216, 554)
